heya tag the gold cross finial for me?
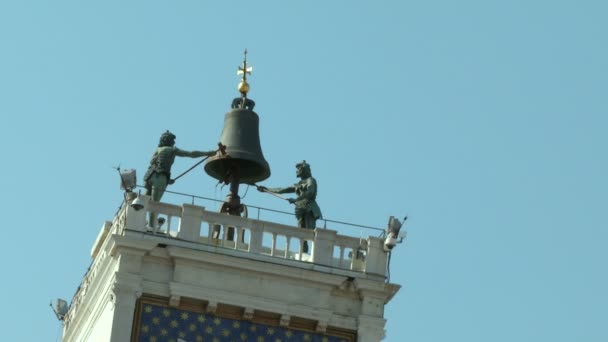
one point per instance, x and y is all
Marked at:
(244, 70)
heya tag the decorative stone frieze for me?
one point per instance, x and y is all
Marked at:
(284, 322)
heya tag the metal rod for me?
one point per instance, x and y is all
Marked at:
(276, 195)
(270, 192)
(190, 169)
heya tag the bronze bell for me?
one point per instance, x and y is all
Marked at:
(243, 160)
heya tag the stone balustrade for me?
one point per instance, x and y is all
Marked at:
(190, 225)
(196, 224)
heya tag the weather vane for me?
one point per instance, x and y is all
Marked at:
(244, 70)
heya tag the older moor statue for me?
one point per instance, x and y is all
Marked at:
(307, 210)
(158, 175)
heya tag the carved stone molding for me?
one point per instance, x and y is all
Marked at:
(212, 307)
(248, 314)
(285, 319)
(174, 300)
(321, 327)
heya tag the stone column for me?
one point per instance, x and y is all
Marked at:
(376, 259)
(136, 219)
(257, 235)
(190, 223)
(124, 297)
(324, 246)
(370, 329)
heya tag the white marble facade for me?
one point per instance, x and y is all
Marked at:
(340, 285)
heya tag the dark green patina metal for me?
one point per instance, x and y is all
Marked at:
(306, 208)
(158, 175)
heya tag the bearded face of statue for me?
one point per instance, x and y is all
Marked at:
(167, 139)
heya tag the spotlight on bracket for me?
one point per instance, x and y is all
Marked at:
(128, 179)
(392, 233)
(60, 307)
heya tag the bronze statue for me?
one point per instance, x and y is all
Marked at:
(307, 210)
(158, 175)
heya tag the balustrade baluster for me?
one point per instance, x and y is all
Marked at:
(224, 235)
(274, 244)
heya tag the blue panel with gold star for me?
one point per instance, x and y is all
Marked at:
(164, 324)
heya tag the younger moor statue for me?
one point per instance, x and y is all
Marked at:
(307, 210)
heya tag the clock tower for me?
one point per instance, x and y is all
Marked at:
(196, 274)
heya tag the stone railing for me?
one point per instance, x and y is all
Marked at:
(195, 224)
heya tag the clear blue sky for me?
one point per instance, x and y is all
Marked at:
(483, 120)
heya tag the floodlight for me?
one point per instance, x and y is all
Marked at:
(128, 179)
(392, 233)
(60, 307)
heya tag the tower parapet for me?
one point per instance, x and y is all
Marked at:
(338, 292)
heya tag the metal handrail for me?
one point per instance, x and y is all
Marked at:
(271, 210)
